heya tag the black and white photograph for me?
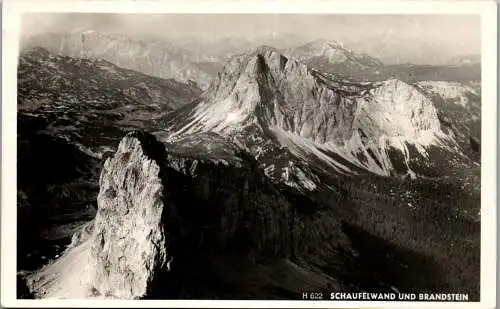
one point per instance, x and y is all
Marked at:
(249, 156)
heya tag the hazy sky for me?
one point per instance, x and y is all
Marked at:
(409, 37)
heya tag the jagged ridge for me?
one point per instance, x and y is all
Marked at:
(333, 52)
(310, 114)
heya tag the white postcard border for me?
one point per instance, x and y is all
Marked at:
(12, 11)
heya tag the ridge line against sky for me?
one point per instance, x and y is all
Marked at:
(424, 39)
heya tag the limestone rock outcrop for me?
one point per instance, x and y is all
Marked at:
(165, 211)
(125, 247)
(310, 114)
(129, 242)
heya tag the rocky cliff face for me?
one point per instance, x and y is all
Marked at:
(125, 247)
(313, 115)
(160, 214)
(128, 242)
(458, 93)
(459, 109)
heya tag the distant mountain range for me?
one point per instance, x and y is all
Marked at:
(156, 58)
(200, 61)
(333, 57)
(466, 60)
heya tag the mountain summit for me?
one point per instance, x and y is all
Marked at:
(312, 114)
(333, 53)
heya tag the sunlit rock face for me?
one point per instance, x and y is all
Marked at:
(164, 210)
(310, 113)
(121, 252)
(459, 109)
(128, 242)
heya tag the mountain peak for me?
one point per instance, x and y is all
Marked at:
(320, 46)
(36, 51)
(329, 52)
(263, 59)
(89, 32)
(324, 43)
(263, 49)
(268, 92)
